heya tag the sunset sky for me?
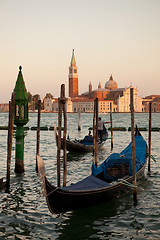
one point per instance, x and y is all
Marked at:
(118, 37)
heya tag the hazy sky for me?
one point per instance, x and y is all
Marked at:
(118, 37)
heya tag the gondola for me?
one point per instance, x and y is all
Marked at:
(112, 178)
(83, 145)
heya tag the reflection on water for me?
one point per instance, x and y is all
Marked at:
(24, 213)
(93, 222)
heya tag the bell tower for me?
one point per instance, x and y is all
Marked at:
(73, 77)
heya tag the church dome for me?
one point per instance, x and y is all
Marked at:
(111, 84)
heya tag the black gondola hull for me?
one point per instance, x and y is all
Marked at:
(60, 201)
(80, 146)
(76, 146)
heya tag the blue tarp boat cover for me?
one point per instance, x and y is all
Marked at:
(124, 156)
(89, 183)
(88, 140)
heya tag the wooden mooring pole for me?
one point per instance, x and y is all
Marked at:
(79, 119)
(59, 142)
(133, 147)
(38, 132)
(95, 130)
(62, 106)
(63, 99)
(111, 126)
(10, 138)
(149, 137)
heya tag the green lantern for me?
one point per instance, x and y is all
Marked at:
(20, 119)
(21, 101)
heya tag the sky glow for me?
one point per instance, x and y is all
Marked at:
(118, 37)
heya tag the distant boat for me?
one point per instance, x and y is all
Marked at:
(111, 178)
(83, 145)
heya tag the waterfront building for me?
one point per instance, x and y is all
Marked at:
(155, 99)
(156, 104)
(82, 105)
(119, 96)
(47, 102)
(4, 107)
(121, 99)
(87, 105)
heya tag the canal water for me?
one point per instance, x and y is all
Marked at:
(24, 213)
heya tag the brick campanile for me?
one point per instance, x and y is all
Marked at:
(73, 77)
